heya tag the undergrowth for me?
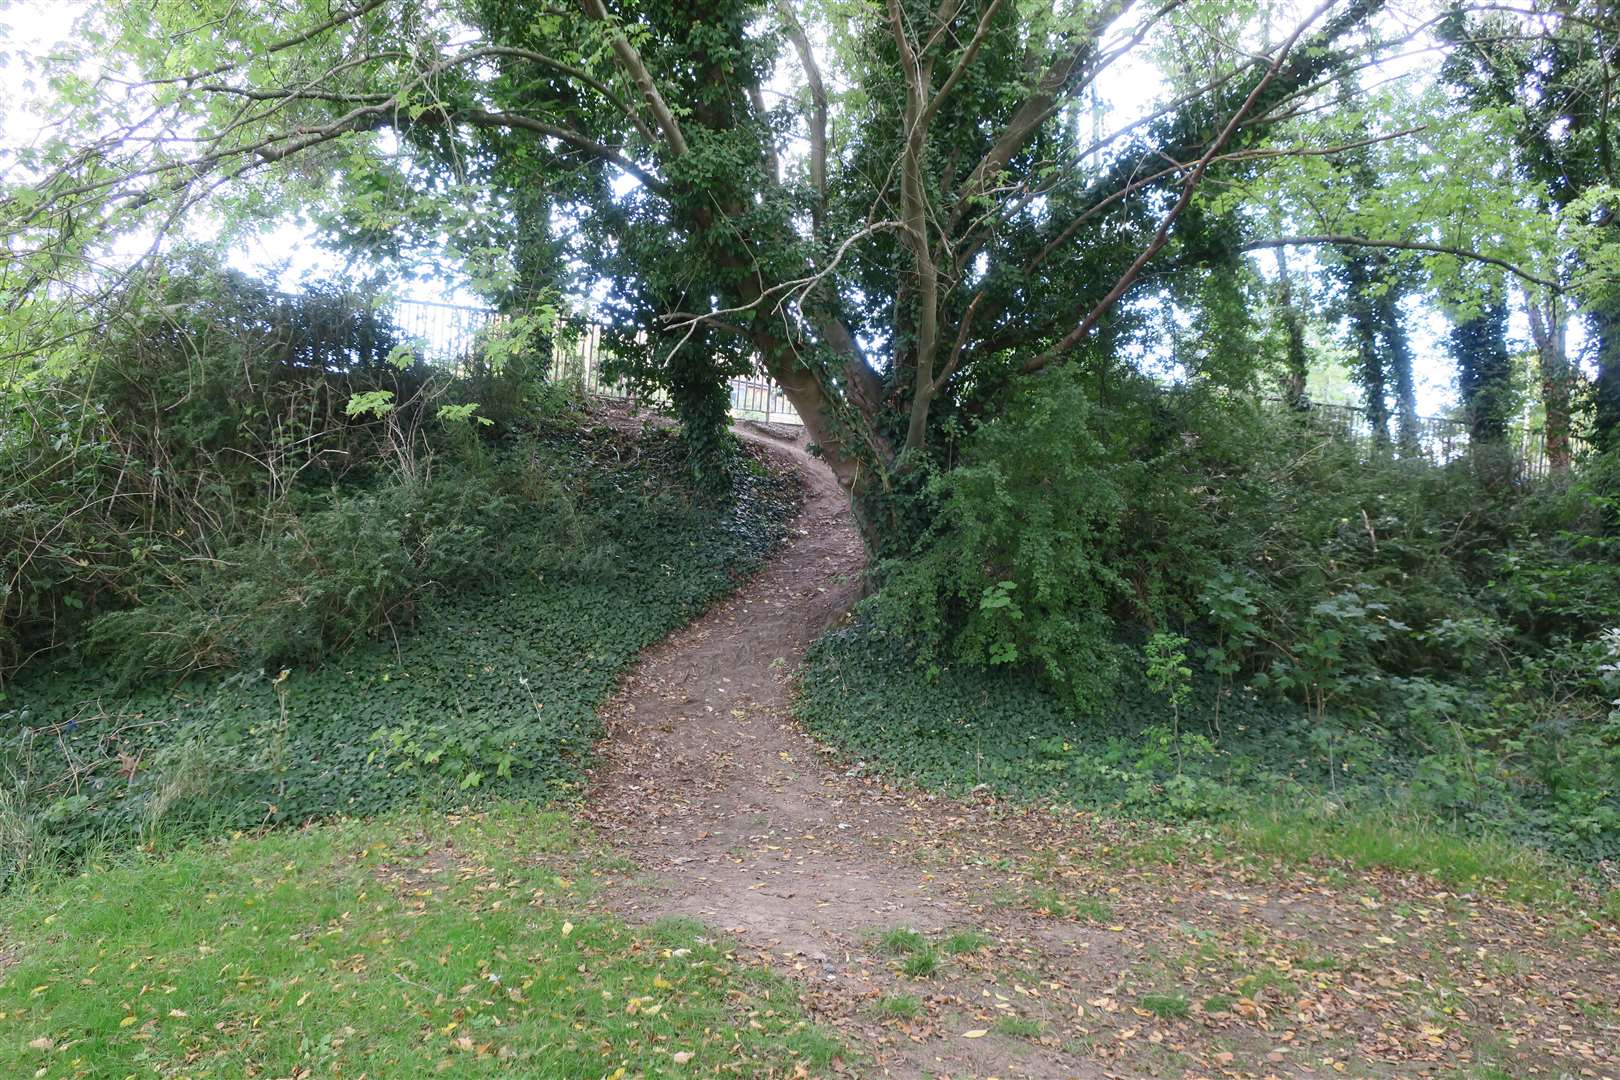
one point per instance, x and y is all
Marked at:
(1278, 780)
(495, 690)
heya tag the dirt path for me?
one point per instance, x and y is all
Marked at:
(736, 819)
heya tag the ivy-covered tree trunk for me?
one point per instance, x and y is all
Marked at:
(1605, 323)
(1484, 372)
(1398, 354)
(1357, 273)
(1549, 323)
(1296, 361)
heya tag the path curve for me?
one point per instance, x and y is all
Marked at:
(1100, 958)
(707, 783)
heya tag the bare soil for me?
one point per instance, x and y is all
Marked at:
(1097, 958)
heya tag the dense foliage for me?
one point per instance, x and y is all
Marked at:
(1019, 325)
(404, 612)
(1370, 626)
(919, 226)
(209, 404)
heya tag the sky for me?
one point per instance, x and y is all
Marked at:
(289, 253)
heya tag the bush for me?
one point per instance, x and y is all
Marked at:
(200, 405)
(352, 565)
(1042, 540)
(598, 550)
(1355, 626)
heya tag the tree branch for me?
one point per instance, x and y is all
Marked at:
(818, 110)
(1336, 240)
(1188, 187)
(636, 68)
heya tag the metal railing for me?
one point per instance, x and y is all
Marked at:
(1441, 439)
(446, 334)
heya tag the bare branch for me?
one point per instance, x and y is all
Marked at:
(818, 109)
(1188, 186)
(1403, 245)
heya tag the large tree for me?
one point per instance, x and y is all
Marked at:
(898, 209)
(1558, 76)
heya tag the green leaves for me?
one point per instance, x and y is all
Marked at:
(522, 634)
(375, 403)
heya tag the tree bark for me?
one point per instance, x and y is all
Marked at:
(1295, 393)
(1549, 321)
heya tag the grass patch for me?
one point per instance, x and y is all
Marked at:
(403, 946)
(901, 941)
(898, 1007)
(1166, 1006)
(963, 942)
(921, 965)
(1410, 843)
(1067, 905)
(1021, 1027)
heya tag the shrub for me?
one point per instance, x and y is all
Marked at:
(202, 402)
(493, 692)
(350, 566)
(1032, 553)
(1318, 621)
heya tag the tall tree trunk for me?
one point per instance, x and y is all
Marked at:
(1398, 350)
(1484, 371)
(1295, 394)
(1605, 322)
(1359, 274)
(1370, 369)
(1549, 322)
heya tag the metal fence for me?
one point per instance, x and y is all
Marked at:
(446, 334)
(1442, 439)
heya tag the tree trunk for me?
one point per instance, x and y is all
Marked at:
(1549, 322)
(1295, 394)
(1399, 352)
(1605, 321)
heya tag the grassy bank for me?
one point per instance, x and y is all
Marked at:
(406, 946)
(493, 690)
(1257, 775)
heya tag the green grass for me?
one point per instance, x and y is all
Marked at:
(1411, 843)
(1172, 1006)
(920, 958)
(1021, 1027)
(400, 947)
(898, 1007)
(1067, 905)
(921, 965)
(901, 941)
(963, 942)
